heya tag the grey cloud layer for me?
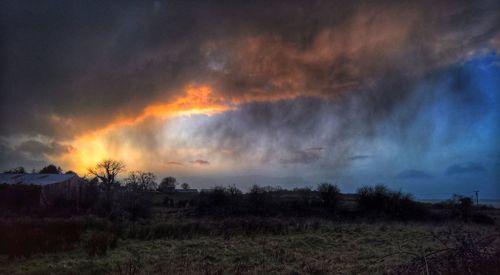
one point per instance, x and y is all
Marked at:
(72, 66)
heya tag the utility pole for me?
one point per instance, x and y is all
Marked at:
(477, 197)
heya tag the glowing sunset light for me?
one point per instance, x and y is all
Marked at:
(196, 101)
(290, 93)
(95, 146)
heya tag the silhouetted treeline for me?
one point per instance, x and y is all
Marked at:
(269, 201)
(122, 213)
(380, 201)
(108, 210)
(325, 201)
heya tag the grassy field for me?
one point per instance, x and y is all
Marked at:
(377, 231)
(347, 248)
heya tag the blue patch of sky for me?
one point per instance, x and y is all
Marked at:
(457, 121)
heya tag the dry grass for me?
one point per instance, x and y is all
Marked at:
(350, 248)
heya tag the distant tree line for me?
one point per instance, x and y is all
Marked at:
(49, 169)
(105, 174)
(106, 196)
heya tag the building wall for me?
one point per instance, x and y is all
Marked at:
(19, 196)
(69, 191)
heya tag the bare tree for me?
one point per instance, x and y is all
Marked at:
(132, 181)
(329, 193)
(141, 181)
(107, 171)
(167, 185)
(185, 186)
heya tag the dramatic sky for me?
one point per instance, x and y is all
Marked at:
(289, 93)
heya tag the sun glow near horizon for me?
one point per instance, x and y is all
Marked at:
(94, 146)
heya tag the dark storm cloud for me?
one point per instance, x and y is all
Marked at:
(303, 156)
(30, 154)
(89, 62)
(399, 110)
(413, 174)
(11, 158)
(68, 67)
(366, 70)
(373, 45)
(464, 168)
(279, 127)
(304, 131)
(94, 60)
(38, 150)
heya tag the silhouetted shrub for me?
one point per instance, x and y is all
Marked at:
(260, 201)
(461, 207)
(131, 206)
(221, 201)
(219, 197)
(167, 185)
(121, 205)
(379, 200)
(372, 198)
(267, 201)
(329, 194)
(305, 194)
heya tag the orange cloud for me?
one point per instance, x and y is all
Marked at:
(174, 163)
(197, 100)
(94, 146)
(264, 68)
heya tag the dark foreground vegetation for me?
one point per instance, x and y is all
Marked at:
(268, 230)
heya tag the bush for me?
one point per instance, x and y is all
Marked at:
(305, 194)
(379, 200)
(329, 194)
(122, 205)
(372, 198)
(260, 201)
(133, 207)
(221, 201)
(461, 207)
(267, 201)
